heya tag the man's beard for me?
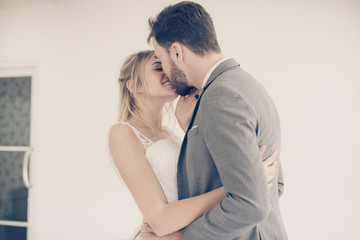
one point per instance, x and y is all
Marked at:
(178, 80)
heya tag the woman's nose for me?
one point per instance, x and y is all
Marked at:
(165, 75)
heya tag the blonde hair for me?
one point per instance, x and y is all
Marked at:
(132, 69)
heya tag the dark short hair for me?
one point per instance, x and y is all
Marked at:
(185, 22)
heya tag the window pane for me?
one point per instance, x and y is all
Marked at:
(15, 101)
(12, 233)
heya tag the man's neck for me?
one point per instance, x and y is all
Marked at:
(201, 66)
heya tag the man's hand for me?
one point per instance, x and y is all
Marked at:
(148, 234)
(269, 165)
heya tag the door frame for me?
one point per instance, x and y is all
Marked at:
(22, 69)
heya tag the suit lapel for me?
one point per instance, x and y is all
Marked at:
(231, 63)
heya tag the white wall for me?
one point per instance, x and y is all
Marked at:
(306, 53)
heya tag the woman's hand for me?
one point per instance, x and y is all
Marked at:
(148, 233)
(185, 108)
(269, 165)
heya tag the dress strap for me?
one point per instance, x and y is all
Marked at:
(143, 139)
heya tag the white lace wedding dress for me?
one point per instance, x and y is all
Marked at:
(163, 156)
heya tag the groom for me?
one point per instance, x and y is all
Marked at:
(233, 116)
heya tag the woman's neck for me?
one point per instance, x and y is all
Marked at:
(151, 114)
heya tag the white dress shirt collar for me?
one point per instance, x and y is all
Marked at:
(211, 70)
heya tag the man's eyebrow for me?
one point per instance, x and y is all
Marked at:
(156, 63)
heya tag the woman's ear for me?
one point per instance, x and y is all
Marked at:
(177, 52)
(130, 85)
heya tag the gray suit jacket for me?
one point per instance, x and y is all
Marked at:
(233, 117)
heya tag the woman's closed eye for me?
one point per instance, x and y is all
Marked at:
(159, 69)
(157, 66)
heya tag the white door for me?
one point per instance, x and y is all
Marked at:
(16, 134)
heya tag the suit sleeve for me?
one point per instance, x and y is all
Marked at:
(229, 131)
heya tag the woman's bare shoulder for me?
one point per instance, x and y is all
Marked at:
(122, 136)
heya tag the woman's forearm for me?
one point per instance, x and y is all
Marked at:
(179, 214)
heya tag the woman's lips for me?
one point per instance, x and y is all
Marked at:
(165, 81)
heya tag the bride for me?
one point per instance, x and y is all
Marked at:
(145, 153)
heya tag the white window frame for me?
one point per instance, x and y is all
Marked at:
(23, 69)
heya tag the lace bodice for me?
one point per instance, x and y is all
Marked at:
(163, 156)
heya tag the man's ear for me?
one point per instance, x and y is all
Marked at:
(177, 52)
